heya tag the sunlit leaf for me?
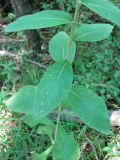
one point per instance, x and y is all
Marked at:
(90, 108)
(53, 88)
(42, 156)
(65, 147)
(92, 32)
(58, 47)
(23, 100)
(43, 19)
(104, 8)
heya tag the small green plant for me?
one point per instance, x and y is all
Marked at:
(11, 16)
(56, 88)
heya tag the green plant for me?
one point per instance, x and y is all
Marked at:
(7, 77)
(11, 16)
(56, 88)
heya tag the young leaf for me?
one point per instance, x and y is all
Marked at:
(31, 122)
(90, 108)
(42, 156)
(43, 19)
(23, 100)
(92, 32)
(65, 147)
(46, 130)
(53, 88)
(58, 47)
(105, 9)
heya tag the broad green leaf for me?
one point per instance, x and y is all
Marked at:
(23, 100)
(43, 19)
(90, 108)
(53, 88)
(30, 121)
(104, 8)
(65, 147)
(58, 47)
(42, 156)
(92, 32)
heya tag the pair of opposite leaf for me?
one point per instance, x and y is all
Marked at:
(56, 83)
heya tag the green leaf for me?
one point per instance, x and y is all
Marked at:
(43, 19)
(58, 47)
(90, 108)
(105, 9)
(42, 156)
(53, 88)
(23, 100)
(92, 32)
(46, 130)
(31, 122)
(65, 147)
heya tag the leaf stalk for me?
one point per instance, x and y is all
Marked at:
(57, 125)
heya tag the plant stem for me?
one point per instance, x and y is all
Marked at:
(73, 28)
(57, 125)
(67, 57)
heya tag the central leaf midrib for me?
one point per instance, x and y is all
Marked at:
(61, 71)
(41, 19)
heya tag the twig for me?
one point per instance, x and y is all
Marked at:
(36, 63)
(10, 54)
(9, 40)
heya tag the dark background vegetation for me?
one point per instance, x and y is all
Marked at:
(24, 57)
